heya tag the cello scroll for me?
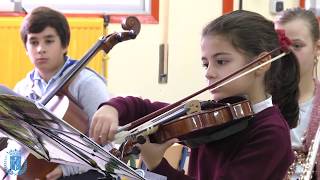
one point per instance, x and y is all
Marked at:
(131, 24)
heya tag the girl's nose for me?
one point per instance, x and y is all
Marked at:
(211, 72)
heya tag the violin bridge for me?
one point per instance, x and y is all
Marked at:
(193, 106)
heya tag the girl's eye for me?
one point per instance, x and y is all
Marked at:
(297, 46)
(205, 65)
(221, 61)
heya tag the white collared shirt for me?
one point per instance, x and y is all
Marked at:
(260, 106)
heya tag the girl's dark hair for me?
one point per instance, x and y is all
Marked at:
(42, 17)
(306, 15)
(252, 34)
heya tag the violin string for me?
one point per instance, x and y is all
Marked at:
(142, 125)
(157, 120)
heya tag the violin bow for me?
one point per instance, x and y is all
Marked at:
(284, 41)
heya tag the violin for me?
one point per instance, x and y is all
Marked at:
(171, 121)
(198, 123)
(59, 99)
(210, 118)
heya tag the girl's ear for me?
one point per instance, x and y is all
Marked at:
(262, 70)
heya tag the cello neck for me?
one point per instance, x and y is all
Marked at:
(74, 71)
(106, 43)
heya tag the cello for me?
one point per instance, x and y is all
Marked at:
(63, 105)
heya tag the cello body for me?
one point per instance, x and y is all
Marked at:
(66, 109)
(64, 106)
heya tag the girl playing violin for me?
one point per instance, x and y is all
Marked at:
(263, 149)
(306, 46)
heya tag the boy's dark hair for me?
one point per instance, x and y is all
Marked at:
(42, 17)
(252, 34)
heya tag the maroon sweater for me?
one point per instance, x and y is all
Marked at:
(261, 151)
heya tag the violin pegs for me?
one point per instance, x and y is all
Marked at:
(115, 152)
(135, 150)
(141, 139)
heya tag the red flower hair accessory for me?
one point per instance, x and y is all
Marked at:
(283, 40)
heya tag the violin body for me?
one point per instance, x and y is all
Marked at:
(204, 122)
(196, 126)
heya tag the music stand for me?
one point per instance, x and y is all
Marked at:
(51, 138)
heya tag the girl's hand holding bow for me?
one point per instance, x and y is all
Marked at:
(104, 125)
